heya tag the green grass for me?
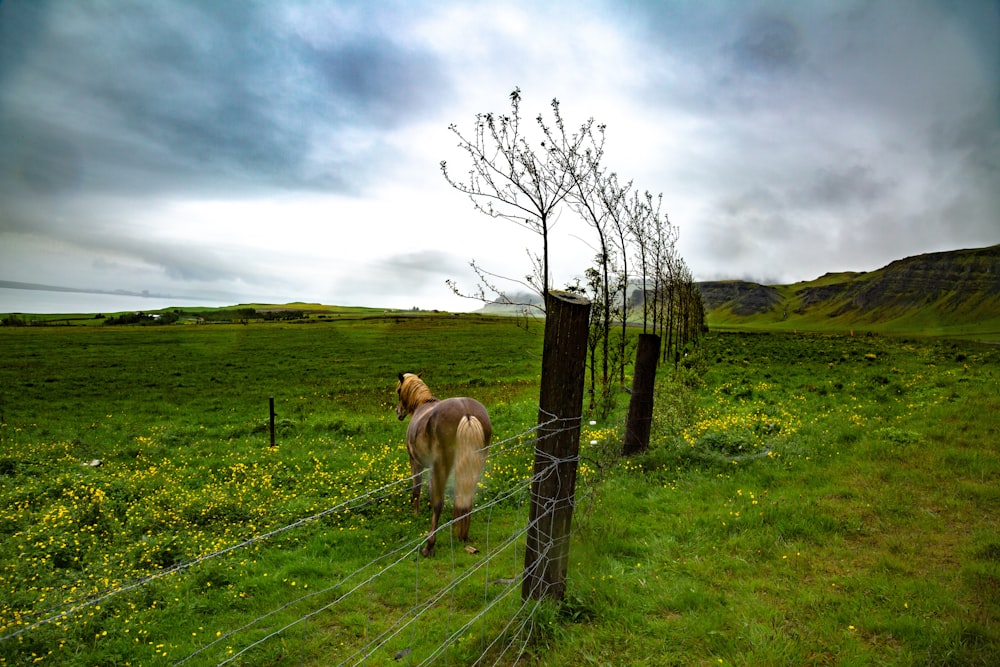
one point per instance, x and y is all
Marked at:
(925, 323)
(807, 499)
(178, 416)
(866, 535)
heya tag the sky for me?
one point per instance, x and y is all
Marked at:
(290, 151)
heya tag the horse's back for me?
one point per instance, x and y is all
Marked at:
(441, 423)
(434, 430)
(449, 413)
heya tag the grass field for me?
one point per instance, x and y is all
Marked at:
(814, 499)
(828, 500)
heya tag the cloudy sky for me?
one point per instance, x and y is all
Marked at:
(279, 151)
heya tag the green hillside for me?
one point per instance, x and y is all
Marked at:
(954, 293)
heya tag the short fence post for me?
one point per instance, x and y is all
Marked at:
(560, 407)
(272, 420)
(640, 407)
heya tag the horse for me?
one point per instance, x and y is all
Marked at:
(442, 435)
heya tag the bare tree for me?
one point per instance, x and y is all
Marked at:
(668, 296)
(641, 229)
(619, 201)
(530, 182)
(512, 178)
(682, 314)
(590, 195)
(664, 250)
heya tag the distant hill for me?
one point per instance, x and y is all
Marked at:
(513, 304)
(956, 292)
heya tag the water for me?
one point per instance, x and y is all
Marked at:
(69, 303)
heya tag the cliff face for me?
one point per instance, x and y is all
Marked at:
(946, 281)
(957, 286)
(954, 277)
(739, 296)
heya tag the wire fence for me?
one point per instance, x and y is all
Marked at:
(471, 596)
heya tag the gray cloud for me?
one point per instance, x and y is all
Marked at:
(795, 137)
(840, 133)
(418, 268)
(419, 274)
(842, 186)
(768, 43)
(375, 81)
(973, 137)
(200, 96)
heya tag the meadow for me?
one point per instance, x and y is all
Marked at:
(806, 499)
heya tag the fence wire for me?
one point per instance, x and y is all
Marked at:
(515, 633)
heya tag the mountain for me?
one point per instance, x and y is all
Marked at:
(517, 303)
(943, 292)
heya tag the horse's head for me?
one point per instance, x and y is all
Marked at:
(408, 391)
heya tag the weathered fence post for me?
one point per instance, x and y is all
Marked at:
(640, 407)
(560, 407)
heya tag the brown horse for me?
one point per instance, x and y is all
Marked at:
(453, 433)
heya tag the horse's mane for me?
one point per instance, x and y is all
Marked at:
(413, 391)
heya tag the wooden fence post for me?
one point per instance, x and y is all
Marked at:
(560, 407)
(640, 407)
(271, 421)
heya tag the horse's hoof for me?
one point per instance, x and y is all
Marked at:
(427, 551)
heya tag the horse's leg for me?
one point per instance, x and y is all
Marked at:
(463, 519)
(416, 472)
(439, 479)
(461, 513)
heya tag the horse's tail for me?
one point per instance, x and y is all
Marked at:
(471, 444)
